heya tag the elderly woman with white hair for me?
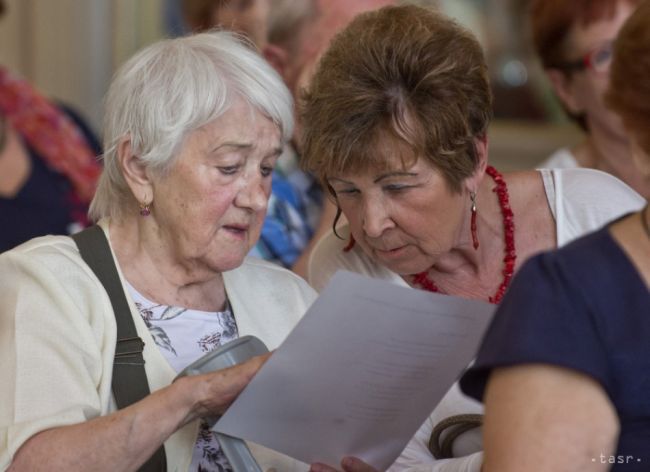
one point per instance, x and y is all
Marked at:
(193, 129)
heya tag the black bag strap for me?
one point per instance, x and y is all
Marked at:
(129, 377)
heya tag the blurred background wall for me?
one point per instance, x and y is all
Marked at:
(70, 49)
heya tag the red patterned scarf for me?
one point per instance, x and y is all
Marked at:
(50, 133)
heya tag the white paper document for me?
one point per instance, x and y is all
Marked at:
(359, 373)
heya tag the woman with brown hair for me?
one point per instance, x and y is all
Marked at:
(395, 125)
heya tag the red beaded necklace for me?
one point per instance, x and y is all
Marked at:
(422, 279)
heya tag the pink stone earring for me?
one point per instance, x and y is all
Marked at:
(145, 209)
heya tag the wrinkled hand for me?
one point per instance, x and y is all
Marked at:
(214, 392)
(348, 464)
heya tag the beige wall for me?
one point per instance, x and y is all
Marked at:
(70, 48)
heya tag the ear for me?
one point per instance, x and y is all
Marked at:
(563, 87)
(481, 147)
(278, 57)
(134, 172)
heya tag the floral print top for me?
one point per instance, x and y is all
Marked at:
(183, 336)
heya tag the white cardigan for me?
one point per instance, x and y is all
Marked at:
(58, 334)
(581, 200)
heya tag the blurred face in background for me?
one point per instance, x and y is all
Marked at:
(332, 17)
(314, 38)
(583, 90)
(249, 17)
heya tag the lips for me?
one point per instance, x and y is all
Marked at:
(382, 249)
(390, 253)
(236, 228)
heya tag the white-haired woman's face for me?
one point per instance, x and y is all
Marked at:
(211, 205)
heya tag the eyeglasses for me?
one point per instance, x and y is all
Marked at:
(597, 60)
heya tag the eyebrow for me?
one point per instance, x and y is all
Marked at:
(394, 174)
(275, 152)
(228, 144)
(339, 180)
(378, 179)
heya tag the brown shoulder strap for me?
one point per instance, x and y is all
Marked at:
(129, 377)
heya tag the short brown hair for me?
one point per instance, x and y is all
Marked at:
(405, 72)
(629, 86)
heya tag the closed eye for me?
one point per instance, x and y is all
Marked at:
(396, 188)
(229, 170)
(347, 191)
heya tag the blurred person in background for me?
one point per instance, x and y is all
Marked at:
(564, 368)
(48, 165)
(299, 33)
(395, 125)
(574, 42)
(248, 17)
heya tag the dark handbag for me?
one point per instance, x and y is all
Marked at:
(129, 377)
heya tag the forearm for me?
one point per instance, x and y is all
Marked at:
(123, 440)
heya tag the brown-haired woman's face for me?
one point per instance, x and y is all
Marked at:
(403, 216)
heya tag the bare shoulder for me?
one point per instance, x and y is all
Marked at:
(534, 222)
(526, 187)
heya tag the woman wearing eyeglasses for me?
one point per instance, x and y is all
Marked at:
(574, 42)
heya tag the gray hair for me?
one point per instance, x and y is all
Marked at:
(172, 88)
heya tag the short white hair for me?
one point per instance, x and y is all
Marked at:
(172, 88)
